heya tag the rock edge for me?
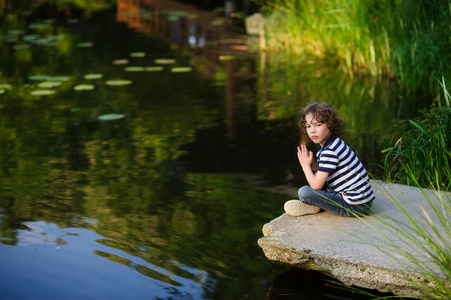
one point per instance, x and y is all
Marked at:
(344, 248)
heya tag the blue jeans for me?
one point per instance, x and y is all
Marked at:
(332, 202)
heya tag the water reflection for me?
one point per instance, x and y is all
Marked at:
(262, 88)
(94, 205)
(67, 260)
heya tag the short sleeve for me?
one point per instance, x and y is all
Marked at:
(328, 161)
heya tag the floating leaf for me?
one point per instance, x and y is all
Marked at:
(154, 69)
(2, 91)
(15, 32)
(42, 92)
(21, 47)
(111, 117)
(5, 86)
(30, 37)
(49, 84)
(38, 77)
(84, 87)
(165, 61)
(138, 54)
(181, 69)
(134, 69)
(58, 78)
(37, 26)
(120, 61)
(85, 45)
(42, 41)
(118, 82)
(93, 76)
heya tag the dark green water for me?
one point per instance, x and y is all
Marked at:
(125, 191)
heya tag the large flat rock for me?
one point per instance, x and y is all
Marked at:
(364, 252)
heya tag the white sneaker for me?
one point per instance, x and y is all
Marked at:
(298, 208)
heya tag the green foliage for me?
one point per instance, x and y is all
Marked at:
(406, 39)
(422, 156)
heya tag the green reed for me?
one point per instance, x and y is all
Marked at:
(422, 155)
(425, 226)
(406, 39)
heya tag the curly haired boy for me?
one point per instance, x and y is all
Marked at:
(341, 183)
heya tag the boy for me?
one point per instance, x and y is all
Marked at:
(349, 192)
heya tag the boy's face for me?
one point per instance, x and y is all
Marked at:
(318, 132)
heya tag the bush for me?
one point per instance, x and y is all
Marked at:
(421, 156)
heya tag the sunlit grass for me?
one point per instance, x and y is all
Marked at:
(401, 38)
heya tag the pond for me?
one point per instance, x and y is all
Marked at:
(131, 142)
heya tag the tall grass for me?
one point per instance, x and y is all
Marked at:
(422, 155)
(407, 39)
(416, 237)
(423, 227)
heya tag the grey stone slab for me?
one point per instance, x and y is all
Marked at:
(366, 252)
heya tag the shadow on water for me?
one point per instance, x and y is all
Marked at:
(119, 134)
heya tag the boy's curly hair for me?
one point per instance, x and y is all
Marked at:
(324, 113)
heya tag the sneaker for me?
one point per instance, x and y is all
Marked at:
(298, 208)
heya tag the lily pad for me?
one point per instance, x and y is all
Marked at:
(134, 69)
(181, 69)
(2, 91)
(165, 61)
(154, 69)
(93, 76)
(58, 78)
(21, 47)
(138, 54)
(118, 82)
(120, 62)
(84, 87)
(5, 86)
(37, 26)
(30, 37)
(15, 32)
(38, 77)
(85, 45)
(111, 117)
(49, 84)
(42, 92)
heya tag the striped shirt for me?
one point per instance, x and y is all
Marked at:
(347, 175)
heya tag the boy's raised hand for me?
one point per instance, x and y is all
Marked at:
(305, 156)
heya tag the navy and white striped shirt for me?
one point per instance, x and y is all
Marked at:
(347, 175)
